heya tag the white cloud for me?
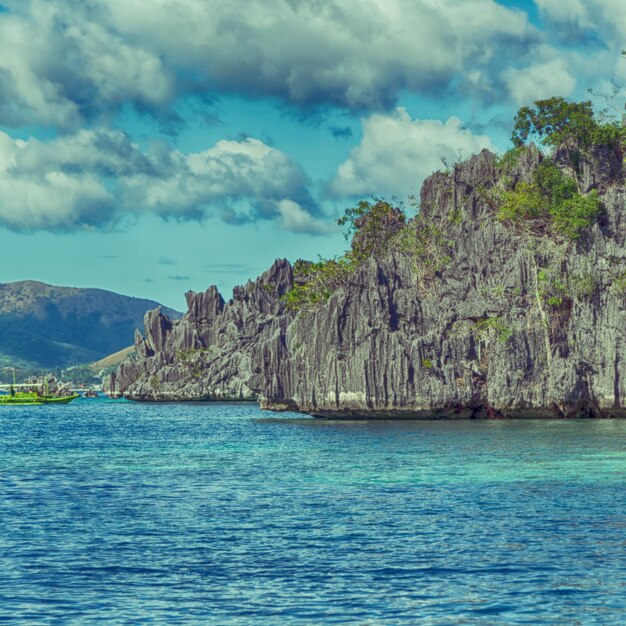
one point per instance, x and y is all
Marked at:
(51, 198)
(582, 18)
(543, 79)
(573, 11)
(397, 153)
(92, 177)
(58, 64)
(594, 32)
(295, 219)
(63, 60)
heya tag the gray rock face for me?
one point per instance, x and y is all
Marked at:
(511, 325)
(207, 354)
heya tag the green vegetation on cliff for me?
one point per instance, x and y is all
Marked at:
(374, 229)
(553, 202)
(546, 200)
(549, 204)
(370, 228)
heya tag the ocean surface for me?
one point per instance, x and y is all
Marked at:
(122, 513)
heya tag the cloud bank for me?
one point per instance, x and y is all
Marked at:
(71, 64)
(64, 61)
(91, 178)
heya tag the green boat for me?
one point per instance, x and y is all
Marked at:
(31, 397)
(27, 398)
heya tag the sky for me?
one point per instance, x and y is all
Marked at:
(158, 146)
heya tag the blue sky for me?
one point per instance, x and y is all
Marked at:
(156, 146)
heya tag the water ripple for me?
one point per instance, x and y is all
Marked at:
(119, 513)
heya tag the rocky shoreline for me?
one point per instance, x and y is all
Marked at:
(512, 324)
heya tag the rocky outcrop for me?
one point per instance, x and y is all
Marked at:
(207, 355)
(510, 325)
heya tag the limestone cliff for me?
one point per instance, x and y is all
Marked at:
(208, 354)
(512, 324)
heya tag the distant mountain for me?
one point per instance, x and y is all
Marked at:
(46, 326)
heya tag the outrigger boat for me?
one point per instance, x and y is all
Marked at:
(20, 398)
(30, 397)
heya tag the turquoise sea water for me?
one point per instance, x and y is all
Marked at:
(121, 513)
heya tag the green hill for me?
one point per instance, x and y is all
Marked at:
(44, 326)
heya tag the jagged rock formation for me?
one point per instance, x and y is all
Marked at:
(208, 355)
(478, 337)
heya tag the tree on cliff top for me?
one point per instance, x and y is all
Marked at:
(555, 122)
(371, 226)
(554, 201)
